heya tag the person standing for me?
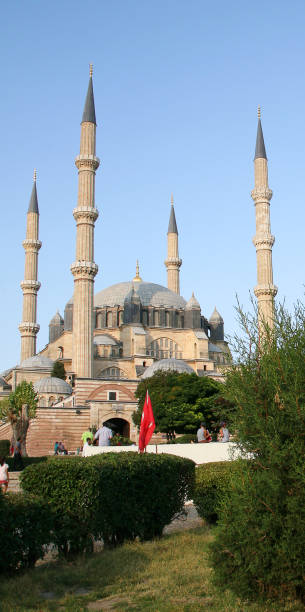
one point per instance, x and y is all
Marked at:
(4, 475)
(17, 461)
(224, 434)
(103, 435)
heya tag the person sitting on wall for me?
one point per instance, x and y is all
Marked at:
(203, 435)
(224, 434)
(103, 435)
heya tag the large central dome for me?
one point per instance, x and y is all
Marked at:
(150, 294)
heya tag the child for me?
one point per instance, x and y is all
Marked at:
(4, 476)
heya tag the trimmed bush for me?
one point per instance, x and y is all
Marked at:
(111, 496)
(26, 527)
(140, 494)
(4, 448)
(184, 439)
(26, 461)
(212, 481)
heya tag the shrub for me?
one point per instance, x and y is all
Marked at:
(69, 487)
(260, 539)
(4, 448)
(110, 496)
(154, 489)
(120, 441)
(212, 480)
(26, 527)
(26, 461)
(184, 439)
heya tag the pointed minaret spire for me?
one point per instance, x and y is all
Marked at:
(84, 268)
(263, 240)
(172, 225)
(30, 285)
(33, 205)
(173, 263)
(89, 109)
(260, 151)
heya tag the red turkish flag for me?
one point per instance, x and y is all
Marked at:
(148, 425)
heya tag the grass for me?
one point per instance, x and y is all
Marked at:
(161, 576)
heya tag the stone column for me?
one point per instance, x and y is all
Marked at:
(30, 286)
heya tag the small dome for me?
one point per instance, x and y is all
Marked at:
(37, 362)
(215, 317)
(168, 365)
(50, 384)
(104, 340)
(57, 319)
(193, 304)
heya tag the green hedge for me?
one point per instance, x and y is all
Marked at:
(110, 496)
(185, 439)
(26, 461)
(26, 527)
(211, 481)
(4, 448)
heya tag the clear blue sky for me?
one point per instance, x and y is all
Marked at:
(177, 85)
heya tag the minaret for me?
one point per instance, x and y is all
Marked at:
(30, 286)
(173, 263)
(263, 240)
(84, 269)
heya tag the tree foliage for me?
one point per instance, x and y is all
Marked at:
(58, 370)
(19, 408)
(179, 400)
(260, 542)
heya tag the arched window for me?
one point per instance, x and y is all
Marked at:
(167, 323)
(109, 319)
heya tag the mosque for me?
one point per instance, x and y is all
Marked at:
(110, 340)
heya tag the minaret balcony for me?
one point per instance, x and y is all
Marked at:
(84, 269)
(30, 286)
(85, 214)
(28, 328)
(263, 242)
(261, 194)
(31, 245)
(87, 161)
(265, 290)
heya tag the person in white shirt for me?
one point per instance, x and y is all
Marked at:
(87, 444)
(224, 434)
(4, 475)
(103, 435)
